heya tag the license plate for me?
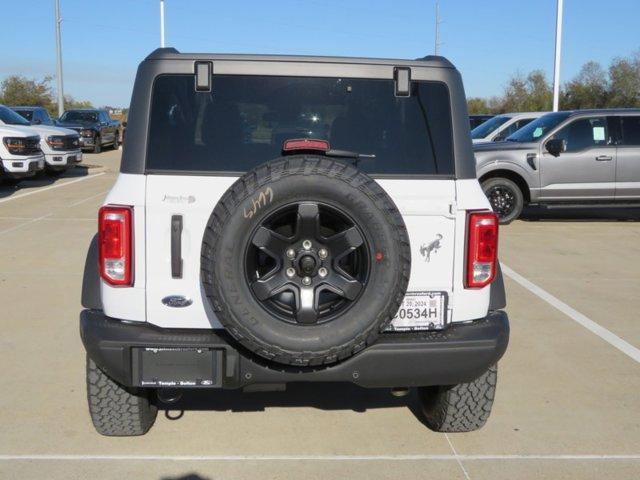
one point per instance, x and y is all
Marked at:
(176, 367)
(421, 311)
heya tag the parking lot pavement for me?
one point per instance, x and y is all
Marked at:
(567, 404)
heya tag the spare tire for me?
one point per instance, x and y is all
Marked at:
(305, 260)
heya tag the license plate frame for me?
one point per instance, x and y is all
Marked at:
(177, 367)
(420, 311)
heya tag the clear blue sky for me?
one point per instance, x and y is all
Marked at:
(487, 40)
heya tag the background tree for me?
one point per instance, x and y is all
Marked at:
(19, 90)
(624, 82)
(532, 93)
(589, 89)
(70, 102)
(477, 105)
(593, 87)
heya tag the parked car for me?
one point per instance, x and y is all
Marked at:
(581, 158)
(60, 146)
(96, 128)
(501, 126)
(34, 115)
(20, 154)
(475, 120)
(231, 257)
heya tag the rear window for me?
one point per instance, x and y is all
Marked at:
(245, 119)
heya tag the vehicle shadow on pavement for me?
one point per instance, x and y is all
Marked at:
(41, 180)
(190, 476)
(328, 396)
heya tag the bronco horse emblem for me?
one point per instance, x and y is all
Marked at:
(433, 247)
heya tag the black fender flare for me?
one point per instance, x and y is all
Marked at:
(91, 297)
(498, 297)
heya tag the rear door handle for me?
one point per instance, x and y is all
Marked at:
(604, 158)
(176, 246)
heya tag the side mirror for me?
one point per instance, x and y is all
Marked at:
(499, 138)
(556, 146)
(37, 122)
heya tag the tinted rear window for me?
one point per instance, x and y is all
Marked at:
(244, 121)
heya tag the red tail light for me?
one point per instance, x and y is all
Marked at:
(482, 249)
(305, 144)
(115, 234)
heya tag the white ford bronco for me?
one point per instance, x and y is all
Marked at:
(285, 219)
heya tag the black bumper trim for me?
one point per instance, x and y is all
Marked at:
(458, 354)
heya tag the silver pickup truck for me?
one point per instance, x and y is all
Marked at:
(582, 158)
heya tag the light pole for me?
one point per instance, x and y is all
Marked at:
(556, 68)
(438, 22)
(161, 23)
(59, 60)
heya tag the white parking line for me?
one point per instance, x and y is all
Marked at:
(586, 322)
(75, 204)
(33, 220)
(318, 458)
(455, 454)
(44, 189)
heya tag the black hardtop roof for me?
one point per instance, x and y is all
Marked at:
(171, 53)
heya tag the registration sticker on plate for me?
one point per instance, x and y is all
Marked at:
(420, 311)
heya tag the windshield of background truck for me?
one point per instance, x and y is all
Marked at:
(9, 117)
(79, 117)
(488, 127)
(539, 127)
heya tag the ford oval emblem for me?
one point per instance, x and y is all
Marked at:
(176, 301)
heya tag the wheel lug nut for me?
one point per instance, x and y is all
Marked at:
(291, 253)
(291, 272)
(323, 272)
(306, 281)
(322, 253)
(306, 244)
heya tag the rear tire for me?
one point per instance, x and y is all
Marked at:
(459, 408)
(264, 210)
(506, 198)
(115, 410)
(97, 144)
(116, 143)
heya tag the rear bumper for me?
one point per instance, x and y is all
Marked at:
(459, 354)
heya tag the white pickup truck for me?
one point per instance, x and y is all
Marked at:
(20, 154)
(60, 146)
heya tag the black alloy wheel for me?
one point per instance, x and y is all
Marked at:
(505, 197)
(503, 200)
(307, 262)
